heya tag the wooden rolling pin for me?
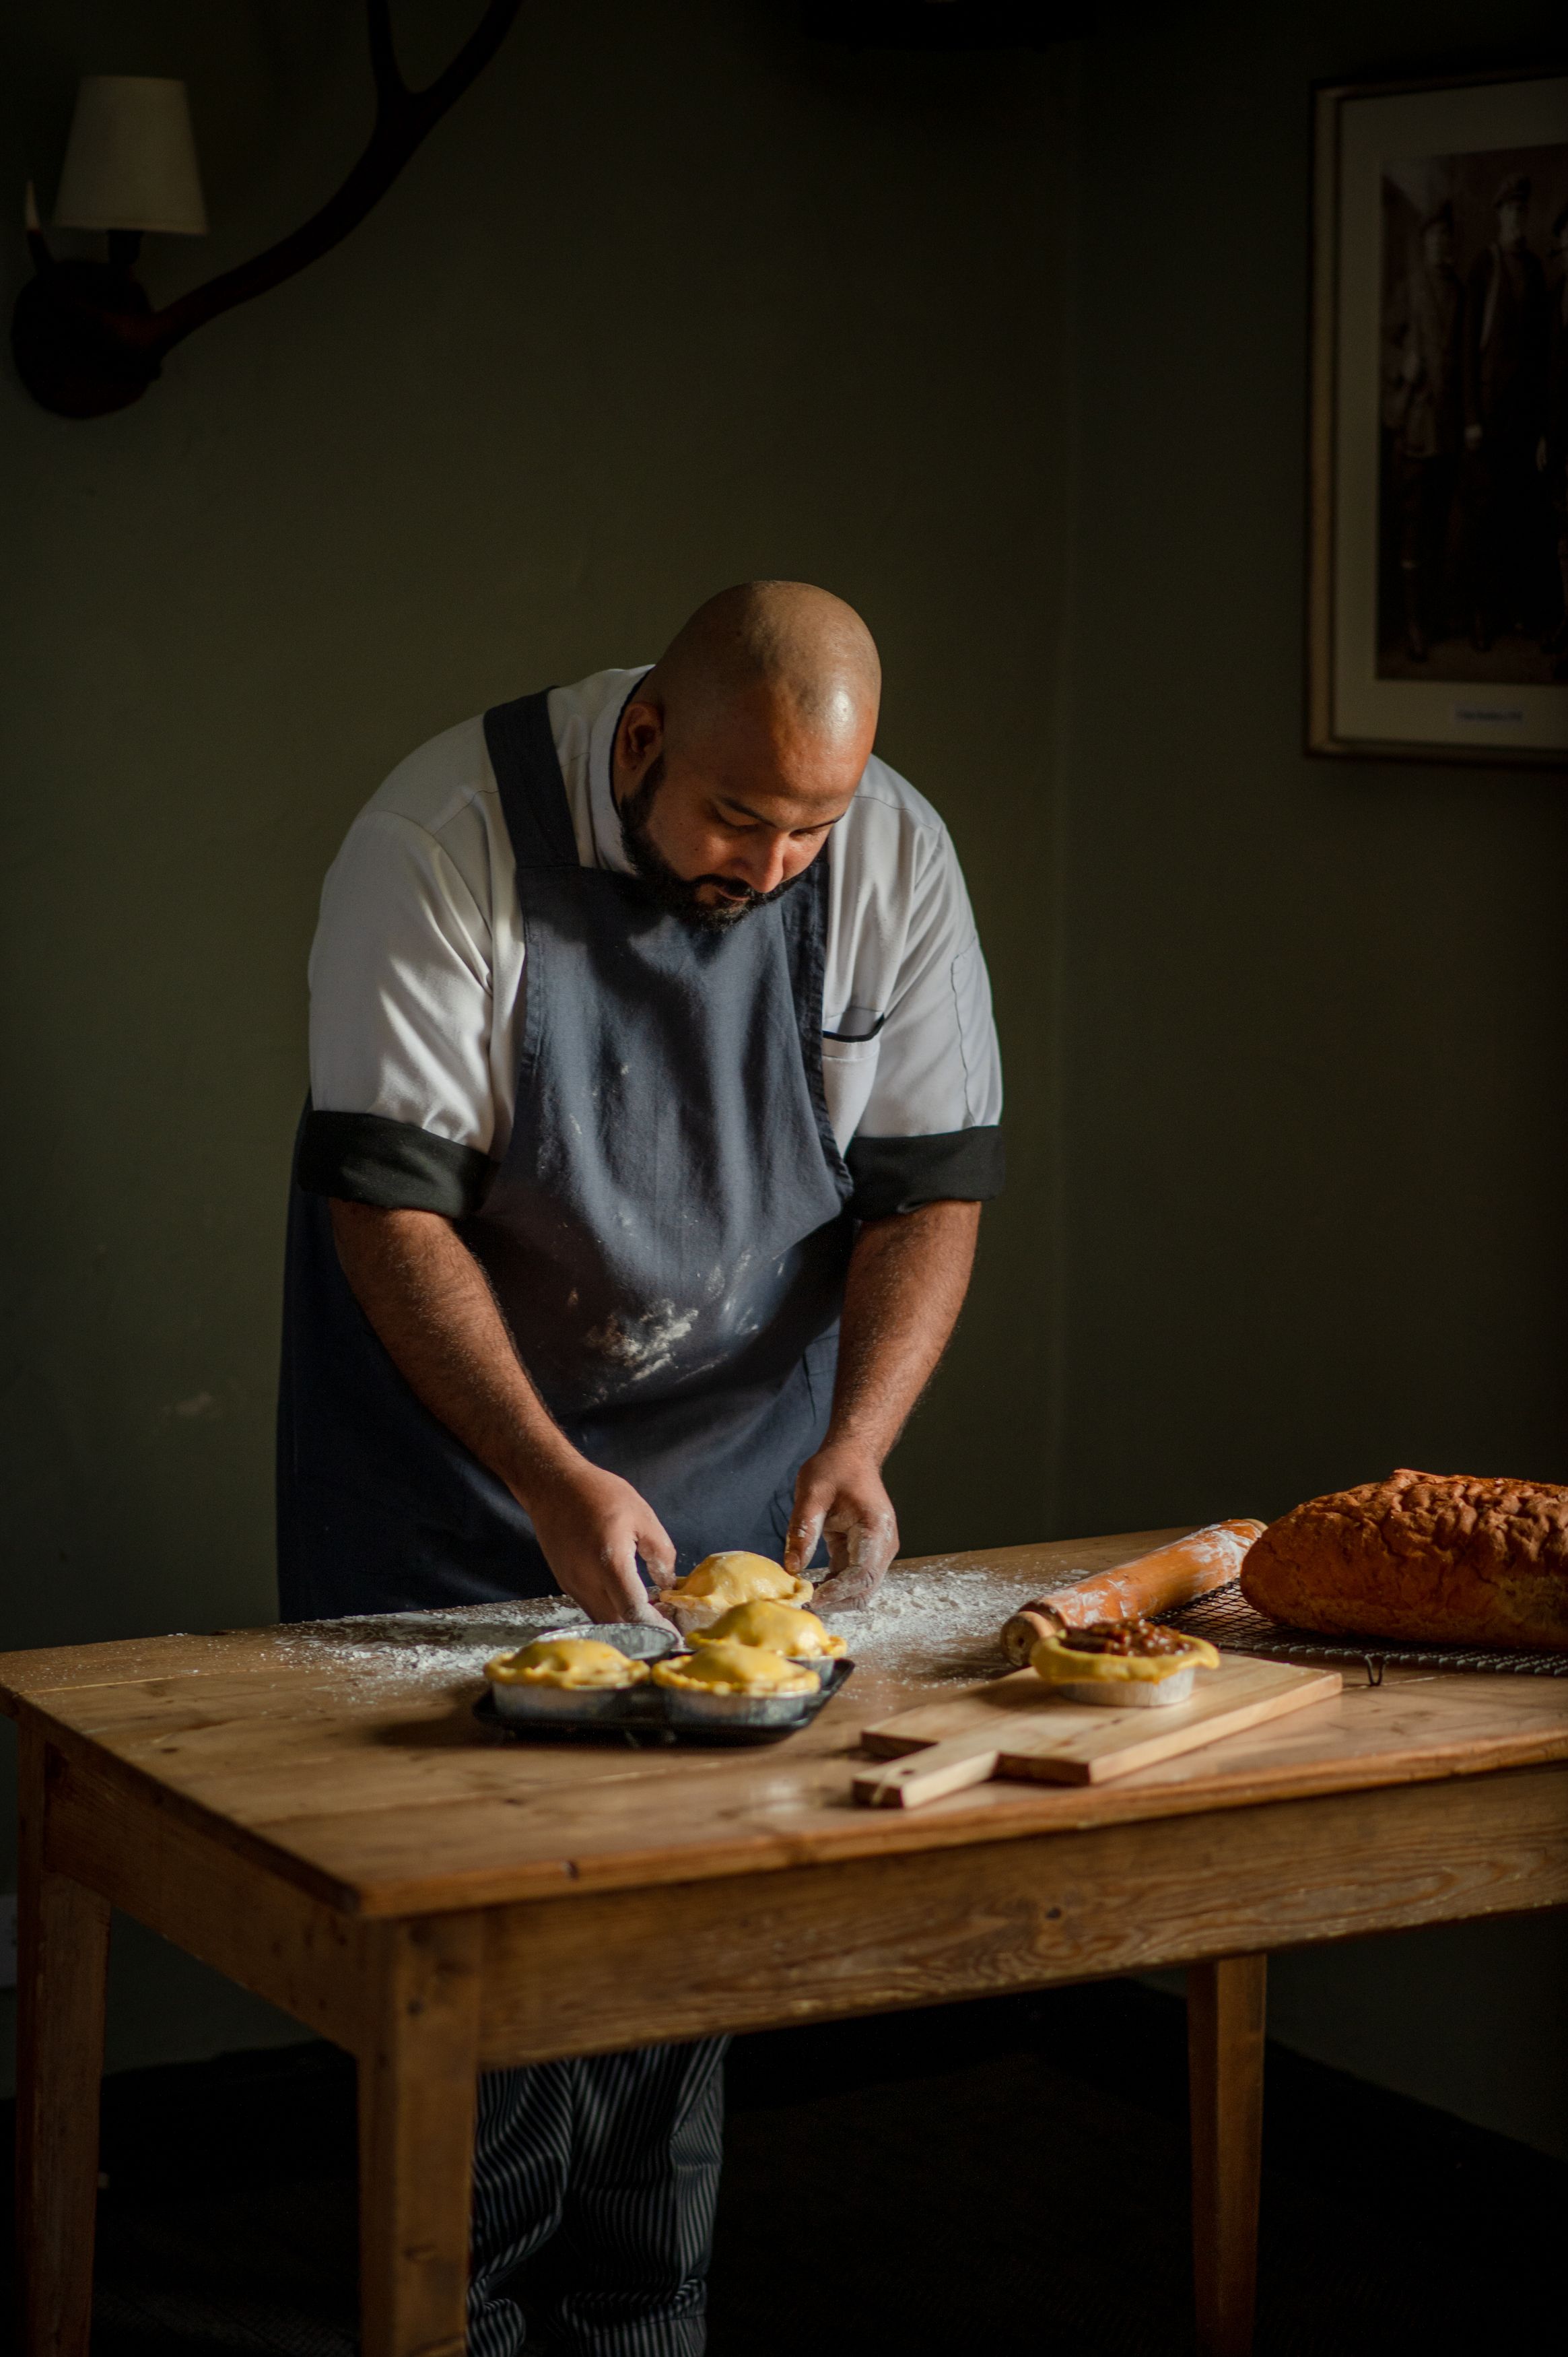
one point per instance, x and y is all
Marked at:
(1150, 1584)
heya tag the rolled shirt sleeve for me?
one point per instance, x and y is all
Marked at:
(403, 1108)
(920, 1091)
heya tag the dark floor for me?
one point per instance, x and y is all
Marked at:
(997, 2178)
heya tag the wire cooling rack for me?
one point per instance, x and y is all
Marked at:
(1225, 1618)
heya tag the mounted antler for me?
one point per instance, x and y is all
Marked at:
(86, 340)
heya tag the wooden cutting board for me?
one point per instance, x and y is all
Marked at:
(1015, 1727)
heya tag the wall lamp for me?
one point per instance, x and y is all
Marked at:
(85, 336)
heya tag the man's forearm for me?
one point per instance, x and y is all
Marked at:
(435, 1315)
(908, 1278)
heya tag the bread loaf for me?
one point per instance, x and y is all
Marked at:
(1455, 1559)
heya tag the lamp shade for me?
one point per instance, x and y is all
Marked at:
(130, 162)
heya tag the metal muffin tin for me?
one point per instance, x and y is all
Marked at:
(649, 1714)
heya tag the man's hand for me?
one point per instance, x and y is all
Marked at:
(429, 1301)
(840, 1492)
(593, 1526)
(907, 1280)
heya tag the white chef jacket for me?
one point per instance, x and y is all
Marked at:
(418, 977)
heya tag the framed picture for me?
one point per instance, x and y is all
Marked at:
(1438, 588)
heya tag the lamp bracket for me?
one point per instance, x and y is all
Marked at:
(84, 335)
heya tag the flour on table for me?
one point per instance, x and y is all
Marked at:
(383, 1652)
(935, 1626)
(938, 1626)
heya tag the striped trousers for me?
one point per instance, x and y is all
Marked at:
(614, 2158)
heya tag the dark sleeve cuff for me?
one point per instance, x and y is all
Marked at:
(899, 1174)
(393, 1164)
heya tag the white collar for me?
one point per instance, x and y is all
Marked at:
(610, 844)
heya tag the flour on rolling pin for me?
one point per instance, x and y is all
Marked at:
(1152, 1584)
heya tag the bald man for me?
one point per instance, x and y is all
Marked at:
(654, 1095)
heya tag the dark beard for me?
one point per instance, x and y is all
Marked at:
(666, 885)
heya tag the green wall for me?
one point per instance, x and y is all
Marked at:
(1315, 1130)
(1010, 352)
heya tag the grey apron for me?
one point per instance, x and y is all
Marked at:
(667, 1236)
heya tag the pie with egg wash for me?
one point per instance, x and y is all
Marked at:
(720, 1581)
(726, 1666)
(780, 1628)
(570, 1661)
(1447, 1558)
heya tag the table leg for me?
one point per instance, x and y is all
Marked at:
(62, 1962)
(1226, 2005)
(418, 2083)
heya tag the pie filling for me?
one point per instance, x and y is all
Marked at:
(1119, 1649)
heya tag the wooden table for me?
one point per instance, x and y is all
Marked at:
(358, 1851)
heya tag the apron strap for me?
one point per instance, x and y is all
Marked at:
(522, 746)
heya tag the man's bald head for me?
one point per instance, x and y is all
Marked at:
(744, 744)
(781, 644)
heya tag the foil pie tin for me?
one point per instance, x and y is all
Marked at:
(684, 1708)
(1128, 1693)
(649, 1714)
(526, 1706)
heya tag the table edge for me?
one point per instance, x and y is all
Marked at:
(1028, 1811)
